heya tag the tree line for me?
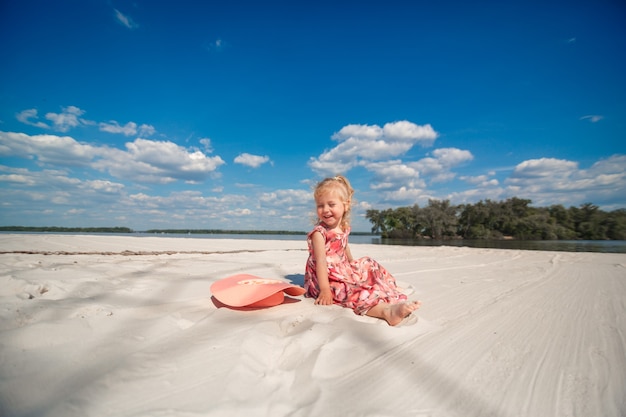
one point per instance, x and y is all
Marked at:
(224, 232)
(59, 229)
(512, 218)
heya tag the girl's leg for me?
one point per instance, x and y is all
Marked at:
(393, 313)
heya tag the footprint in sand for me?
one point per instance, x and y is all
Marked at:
(272, 356)
(33, 291)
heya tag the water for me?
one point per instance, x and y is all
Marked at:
(604, 246)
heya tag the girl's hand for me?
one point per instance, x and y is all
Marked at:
(325, 298)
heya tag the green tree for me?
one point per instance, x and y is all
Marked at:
(404, 222)
(377, 218)
(439, 218)
(616, 225)
(587, 222)
(511, 212)
(473, 221)
(494, 219)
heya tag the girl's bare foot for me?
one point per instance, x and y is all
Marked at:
(394, 313)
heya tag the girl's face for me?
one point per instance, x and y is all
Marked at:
(330, 208)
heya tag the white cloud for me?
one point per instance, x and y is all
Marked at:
(365, 132)
(396, 177)
(103, 186)
(62, 122)
(593, 118)
(157, 162)
(189, 207)
(216, 45)
(30, 117)
(544, 167)
(438, 167)
(286, 198)
(287, 203)
(70, 117)
(45, 179)
(41, 191)
(474, 195)
(143, 160)
(50, 195)
(16, 179)
(362, 143)
(406, 131)
(146, 131)
(394, 174)
(125, 20)
(407, 196)
(67, 119)
(374, 149)
(129, 129)
(253, 161)
(478, 179)
(613, 164)
(401, 182)
(206, 145)
(239, 212)
(549, 181)
(51, 149)
(449, 157)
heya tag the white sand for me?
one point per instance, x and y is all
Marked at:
(500, 333)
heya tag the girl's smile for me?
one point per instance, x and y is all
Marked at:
(330, 210)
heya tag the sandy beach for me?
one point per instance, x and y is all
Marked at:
(126, 326)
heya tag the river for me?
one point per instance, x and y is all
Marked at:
(605, 246)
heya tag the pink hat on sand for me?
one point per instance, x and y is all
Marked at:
(244, 290)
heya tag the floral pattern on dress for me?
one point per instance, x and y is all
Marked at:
(359, 285)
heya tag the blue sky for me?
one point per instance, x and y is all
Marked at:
(190, 114)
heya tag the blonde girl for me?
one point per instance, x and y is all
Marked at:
(333, 276)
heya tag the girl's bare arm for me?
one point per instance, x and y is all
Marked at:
(321, 269)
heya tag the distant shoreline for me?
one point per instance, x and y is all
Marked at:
(65, 229)
(127, 230)
(117, 230)
(605, 246)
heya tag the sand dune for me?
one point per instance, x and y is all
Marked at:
(125, 326)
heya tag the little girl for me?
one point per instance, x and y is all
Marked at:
(333, 277)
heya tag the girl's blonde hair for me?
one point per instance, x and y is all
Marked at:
(342, 186)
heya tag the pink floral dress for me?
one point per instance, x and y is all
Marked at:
(359, 285)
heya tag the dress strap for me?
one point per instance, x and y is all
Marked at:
(318, 228)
